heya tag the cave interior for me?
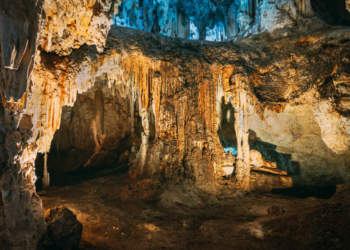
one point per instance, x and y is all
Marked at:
(174, 124)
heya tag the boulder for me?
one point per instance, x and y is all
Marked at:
(64, 229)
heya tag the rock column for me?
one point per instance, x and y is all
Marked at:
(241, 127)
(46, 176)
(138, 168)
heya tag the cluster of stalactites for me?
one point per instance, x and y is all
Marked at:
(205, 20)
(148, 84)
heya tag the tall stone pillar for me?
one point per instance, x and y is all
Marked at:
(46, 175)
(139, 168)
(241, 127)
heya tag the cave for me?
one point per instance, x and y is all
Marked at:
(139, 124)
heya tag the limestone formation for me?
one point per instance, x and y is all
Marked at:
(69, 89)
(46, 175)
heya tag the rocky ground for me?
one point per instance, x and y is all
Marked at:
(119, 212)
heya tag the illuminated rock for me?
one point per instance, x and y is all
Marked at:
(286, 89)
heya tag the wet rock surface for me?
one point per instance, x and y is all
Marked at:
(64, 229)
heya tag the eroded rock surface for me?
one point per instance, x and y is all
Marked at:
(64, 229)
(283, 92)
(285, 113)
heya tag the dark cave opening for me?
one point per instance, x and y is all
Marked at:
(333, 12)
(303, 192)
(74, 142)
(227, 132)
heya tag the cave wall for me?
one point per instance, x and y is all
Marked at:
(178, 87)
(303, 117)
(31, 108)
(239, 17)
(79, 143)
(299, 144)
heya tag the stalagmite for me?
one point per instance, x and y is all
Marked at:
(138, 167)
(296, 75)
(46, 175)
(241, 127)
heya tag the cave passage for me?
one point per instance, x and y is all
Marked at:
(174, 124)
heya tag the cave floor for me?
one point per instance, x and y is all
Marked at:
(119, 212)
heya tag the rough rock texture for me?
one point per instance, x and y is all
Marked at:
(169, 17)
(72, 23)
(25, 26)
(288, 89)
(64, 229)
(298, 95)
(237, 17)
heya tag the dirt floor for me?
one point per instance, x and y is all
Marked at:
(119, 212)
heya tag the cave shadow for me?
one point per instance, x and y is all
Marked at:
(333, 12)
(227, 132)
(80, 173)
(303, 192)
(285, 162)
(269, 152)
(228, 139)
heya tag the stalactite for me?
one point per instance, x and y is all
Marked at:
(156, 90)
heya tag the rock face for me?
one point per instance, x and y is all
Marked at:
(70, 24)
(283, 92)
(284, 115)
(24, 27)
(63, 227)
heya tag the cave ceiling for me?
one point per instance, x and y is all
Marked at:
(252, 94)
